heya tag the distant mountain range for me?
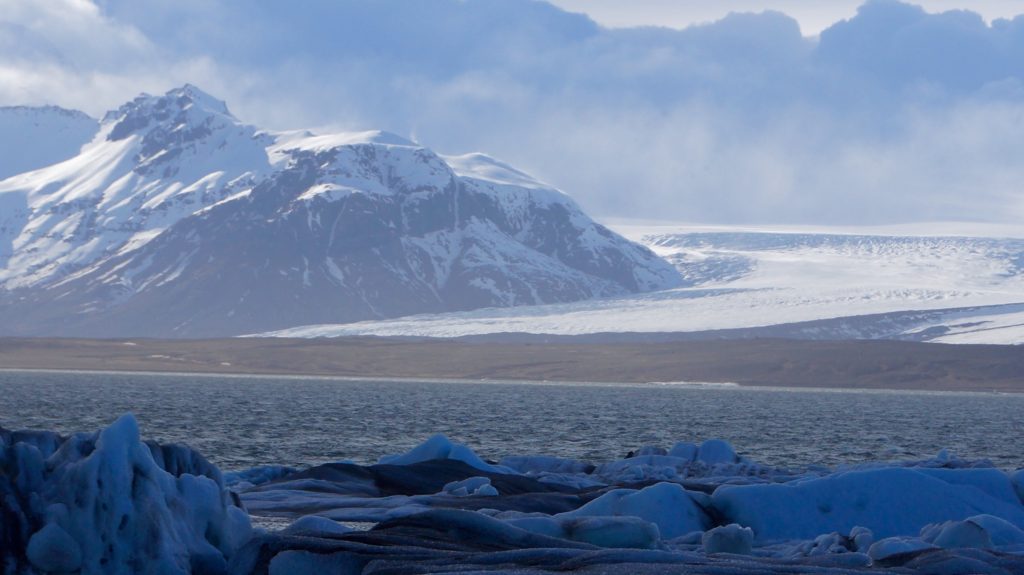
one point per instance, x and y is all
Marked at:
(170, 218)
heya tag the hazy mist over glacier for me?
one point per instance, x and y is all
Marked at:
(897, 113)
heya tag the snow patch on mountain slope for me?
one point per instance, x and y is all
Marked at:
(35, 137)
(483, 167)
(286, 142)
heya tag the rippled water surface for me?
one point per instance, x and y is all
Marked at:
(240, 422)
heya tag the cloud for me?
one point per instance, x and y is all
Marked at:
(892, 115)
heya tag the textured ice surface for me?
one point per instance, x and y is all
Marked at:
(108, 503)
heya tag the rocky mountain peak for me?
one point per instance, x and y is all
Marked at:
(183, 121)
(178, 220)
(181, 108)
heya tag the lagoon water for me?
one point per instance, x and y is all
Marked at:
(242, 421)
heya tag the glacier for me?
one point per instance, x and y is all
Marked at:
(108, 502)
(944, 283)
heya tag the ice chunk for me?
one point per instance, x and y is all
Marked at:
(892, 546)
(684, 450)
(716, 451)
(862, 538)
(257, 476)
(478, 486)
(317, 526)
(659, 467)
(667, 505)
(893, 501)
(980, 532)
(440, 447)
(959, 534)
(730, 538)
(824, 544)
(52, 549)
(1001, 532)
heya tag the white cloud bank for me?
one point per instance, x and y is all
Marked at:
(894, 115)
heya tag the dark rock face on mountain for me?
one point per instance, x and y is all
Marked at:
(179, 221)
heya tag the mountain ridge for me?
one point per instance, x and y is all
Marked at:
(178, 220)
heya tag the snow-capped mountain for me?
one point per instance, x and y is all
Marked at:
(179, 220)
(36, 137)
(792, 284)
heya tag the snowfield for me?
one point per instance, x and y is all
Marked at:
(922, 283)
(107, 502)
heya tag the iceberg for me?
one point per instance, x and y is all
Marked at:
(440, 447)
(109, 503)
(667, 505)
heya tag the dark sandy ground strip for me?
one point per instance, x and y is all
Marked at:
(768, 362)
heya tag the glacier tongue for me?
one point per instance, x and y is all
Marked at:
(925, 285)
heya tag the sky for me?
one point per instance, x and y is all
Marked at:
(741, 112)
(813, 15)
